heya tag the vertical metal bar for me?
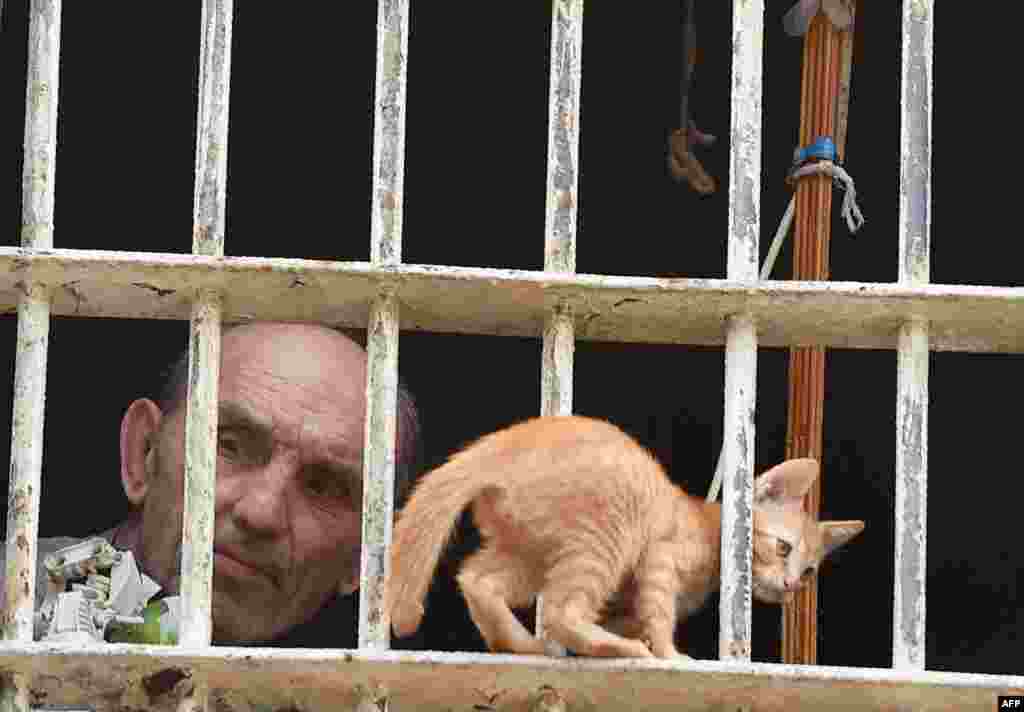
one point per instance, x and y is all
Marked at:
(912, 360)
(29, 406)
(745, 147)
(563, 135)
(741, 340)
(212, 128)
(389, 132)
(560, 213)
(205, 331)
(556, 368)
(379, 472)
(383, 324)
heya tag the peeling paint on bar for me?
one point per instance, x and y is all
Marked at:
(745, 147)
(389, 132)
(909, 602)
(503, 302)
(26, 462)
(556, 375)
(43, 77)
(33, 304)
(212, 128)
(734, 635)
(250, 679)
(200, 471)
(563, 136)
(911, 559)
(916, 140)
(378, 472)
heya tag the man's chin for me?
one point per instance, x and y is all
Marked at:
(249, 624)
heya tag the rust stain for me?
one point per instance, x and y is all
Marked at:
(153, 288)
(163, 681)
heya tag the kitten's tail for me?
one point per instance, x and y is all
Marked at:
(421, 534)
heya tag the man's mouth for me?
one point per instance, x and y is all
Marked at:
(235, 566)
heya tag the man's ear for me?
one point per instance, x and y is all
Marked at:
(139, 428)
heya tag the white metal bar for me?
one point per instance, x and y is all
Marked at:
(745, 146)
(116, 676)
(911, 498)
(200, 471)
(33, 306)
(916, 141)
(741, 333)
(910, 558)
(383, 324)
(556, 371)
(205, 333)
(212, 128)
(556, 375)
(378, 472)
(389, 132)
(848, 315)
(563, 135)
(734, 637)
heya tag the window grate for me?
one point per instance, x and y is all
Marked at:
(911, 316)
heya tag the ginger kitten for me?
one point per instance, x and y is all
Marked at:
(576, 510)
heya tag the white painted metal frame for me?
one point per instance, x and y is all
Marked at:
(557, 305)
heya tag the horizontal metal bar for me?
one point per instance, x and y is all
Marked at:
(122, 676)
(517, 302)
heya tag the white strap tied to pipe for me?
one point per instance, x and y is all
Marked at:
(854, 221)
(850, 210)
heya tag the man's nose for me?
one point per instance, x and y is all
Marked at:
(263, 504)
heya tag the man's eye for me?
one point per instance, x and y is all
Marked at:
(229, 445)
(326, 485)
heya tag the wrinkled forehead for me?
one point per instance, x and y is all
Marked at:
(300, 378)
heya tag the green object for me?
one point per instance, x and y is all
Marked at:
(160, 627)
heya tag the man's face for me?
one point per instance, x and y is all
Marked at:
(289, 496)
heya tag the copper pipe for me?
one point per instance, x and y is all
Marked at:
(818, 95)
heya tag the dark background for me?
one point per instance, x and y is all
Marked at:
(299, 185)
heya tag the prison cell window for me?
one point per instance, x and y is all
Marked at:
(556, 305)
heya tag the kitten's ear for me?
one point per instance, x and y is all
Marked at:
(835, 534)
(784, 486)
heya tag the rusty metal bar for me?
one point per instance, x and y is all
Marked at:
(506, 302)
(912, 361)
(389, 132)
(820, 84)
(34, 306)
(559, 336)
(741, 335)
(378, 472)
(255, 678)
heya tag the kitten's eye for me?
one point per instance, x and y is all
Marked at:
(782, 548)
